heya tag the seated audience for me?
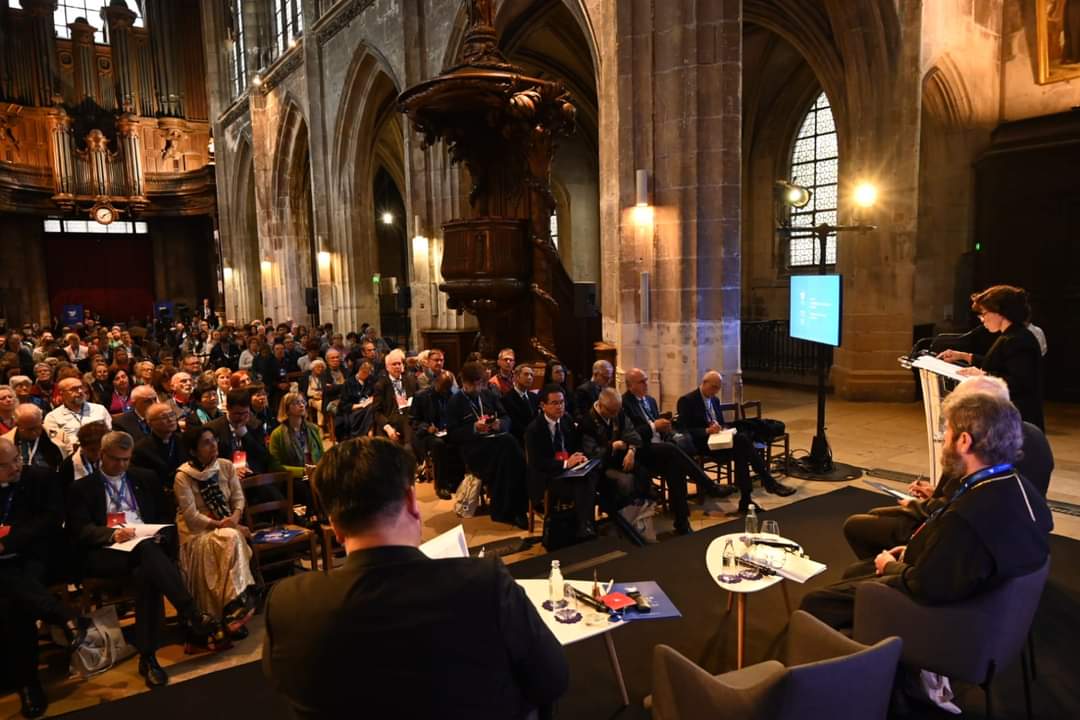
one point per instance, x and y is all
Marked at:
(661, 454)
(223, 383)
(886, 527)
(214, 555)
(431, 365)
(313, 351)
(8, 401)
(503, 380)
(552, 446)
(700, 416)
(260, 409)
(393, 396)
(63, 423)
(33, 513)
(240, 438)
(589, 392)
(477, 424)
(206, 405)
(311, 387)
(35, 446)
(134, 422)
(74, 348)
(191, 363)
(181, 389)
(335, 367)
(160, 452)
(119, 399)
(521, 403)
(24, 392)
(994, 526)
(429, 419)
(226, 354)
(295, 443)
(100, 389)
(510, 667)
(43, 386)
(101, 509)
(557, 373)
(84, 461)
(144, 373)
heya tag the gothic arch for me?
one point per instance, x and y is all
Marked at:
(241, 238)
(945, 94)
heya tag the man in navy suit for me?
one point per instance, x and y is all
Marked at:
(552, 445)
(700, 416)
(660, 453)
(521, 405)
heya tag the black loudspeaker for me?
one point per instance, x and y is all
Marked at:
(404, 299)
(311, 299)
(585, 305)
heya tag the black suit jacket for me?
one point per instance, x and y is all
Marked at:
(129, 423)
(37, 513)
(87, 508)
(429, 408)
(597, 436)
(253, 443)
(47, 456)
(693, 420)
(462, 418)
(632, 407)
(586, 394)
(521, 411)
(382, 637)
(385, 404)
(160, 458)
(1016, 358)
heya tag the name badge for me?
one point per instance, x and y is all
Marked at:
(4, 530)
(116, 519)
(403, 402)
(562, 456)
(239, 459)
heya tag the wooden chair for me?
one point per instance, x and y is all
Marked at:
(767, 447)
(281, 553)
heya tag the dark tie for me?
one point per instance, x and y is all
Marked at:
(557, 439)
(710, 411)
(647, 408)
(25, 452)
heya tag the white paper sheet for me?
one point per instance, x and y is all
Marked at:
(939, 366)
(722, 440)
(142, 532)
(451, 544)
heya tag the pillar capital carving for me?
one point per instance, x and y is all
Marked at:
(118, 15)
(39, 8)
(127, 125)
(82, 32)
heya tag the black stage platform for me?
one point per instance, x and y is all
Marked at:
(705, 633)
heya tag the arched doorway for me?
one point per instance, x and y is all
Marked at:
(390, 223)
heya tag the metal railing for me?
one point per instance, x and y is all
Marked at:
(768, 349)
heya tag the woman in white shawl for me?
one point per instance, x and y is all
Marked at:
(214, 553)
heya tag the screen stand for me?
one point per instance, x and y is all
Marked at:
(820, 460)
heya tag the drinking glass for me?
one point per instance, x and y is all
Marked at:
(770, 527)
(569, 610)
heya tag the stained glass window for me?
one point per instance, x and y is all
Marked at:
(815, 165)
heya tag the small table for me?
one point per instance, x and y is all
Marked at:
(714, 562)
(567, 634)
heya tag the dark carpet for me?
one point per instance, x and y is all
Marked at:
(705, 633)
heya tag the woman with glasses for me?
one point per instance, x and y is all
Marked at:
(295, 443)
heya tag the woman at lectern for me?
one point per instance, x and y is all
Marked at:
(1015, 356)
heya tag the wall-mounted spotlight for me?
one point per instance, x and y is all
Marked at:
(388, 218)
(793, 195)
(865, 194)
(643, 211)
(266, 266)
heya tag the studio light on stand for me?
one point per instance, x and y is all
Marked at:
(790, 195)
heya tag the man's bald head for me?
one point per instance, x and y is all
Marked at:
(162, 420)
(711, 383)
(10, 462)
(142, 397)
(28, 421)
(637, 382)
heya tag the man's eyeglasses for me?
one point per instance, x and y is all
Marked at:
(555, 402)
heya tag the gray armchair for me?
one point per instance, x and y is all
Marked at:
(829, 675)
(968, 641)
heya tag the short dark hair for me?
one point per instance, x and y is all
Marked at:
(362, 480)
(472, 372)
(549, 389)
(994, 424)
(192, 435)
(91, 433)
(1005, 300)
(238, 398)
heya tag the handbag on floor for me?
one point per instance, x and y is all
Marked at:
(104, 645)
(467, 497)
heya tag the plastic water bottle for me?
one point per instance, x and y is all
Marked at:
(555, 584)
(751, 520)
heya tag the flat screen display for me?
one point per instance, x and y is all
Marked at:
(815, 308)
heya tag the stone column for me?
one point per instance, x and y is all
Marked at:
(676, 113)
(84, 62)
(41, 49)
(120, 20)
(164, 22)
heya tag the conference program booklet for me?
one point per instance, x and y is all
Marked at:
(580, 470)
(889, 491)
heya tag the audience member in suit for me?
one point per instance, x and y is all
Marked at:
(503, 380)
(886, 527)
(396, 606)
(237, 433)
(663, 456)
(477, 425)
(521, 404)
(275, 371)
(354, 414)
(225, 354)
(35, 446)
(31, 518)
(98, 505)
(608, 435)
(553, 445)
(86, 457)
(1015, 356)
(134, 422)
(994, 526)
(393, 395)
(700, 416)
(589, 392)
(429, 418)
(161, 452)
(557, 373)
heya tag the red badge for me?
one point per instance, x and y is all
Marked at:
(116, 520)
(4, 530)
(562, 456)
(239, 459)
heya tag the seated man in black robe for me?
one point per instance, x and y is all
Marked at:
(429, 418)
(886, 527)
(478, 425)
(993, 527)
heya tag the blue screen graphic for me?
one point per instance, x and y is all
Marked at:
(815, 308)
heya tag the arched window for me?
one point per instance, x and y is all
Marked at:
(815, 165)
(234, 44)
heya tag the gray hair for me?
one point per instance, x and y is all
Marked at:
(118, 440)
(985, 384)
(602, 365)
(17, 380)
(610, 397)
(318, 362)
(395, 353)
(143, 392)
